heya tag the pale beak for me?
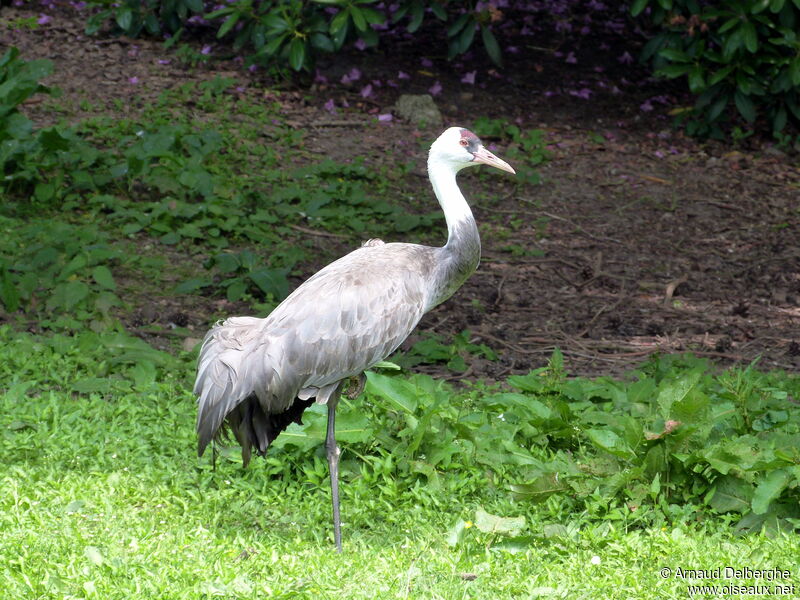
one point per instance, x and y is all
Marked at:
(483, 156)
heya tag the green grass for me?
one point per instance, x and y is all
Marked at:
(538, 486)
(103, 497)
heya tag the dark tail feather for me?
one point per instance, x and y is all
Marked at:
(254, 428)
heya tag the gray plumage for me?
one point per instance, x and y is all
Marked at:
(256, 376)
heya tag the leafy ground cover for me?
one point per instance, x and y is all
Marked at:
(479, 493)
(177, 194)
(638, 240)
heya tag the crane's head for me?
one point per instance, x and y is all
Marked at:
(459, 148)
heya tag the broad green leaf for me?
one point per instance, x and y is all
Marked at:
(489, 523)
(638, 7)
(275, 24)
(9, 295)
(94, 555)
(358, 18)
(539, 489)
(229, 23)
(192, 285)
(720, 75)
(458, 25)
(696, 80)
(770, 489)
(339, 21)
(67, 296)
(151, 24)
(456, 534)
(74, 506)
(143, 374)
(389, 366)
(464, 40)
(322, 42)
(373, 16)
(610, 442)
(297, 53)
(92, 385)
(717, 108)
(557, 531)
(271, 281)
(102, 275)
(750, 36)
(673, 71)
(353, 427)
(731, 494)
(491, 45)
(439, 11)
(236, 290)
(779, 120)
(745, 106)
(124, 18)
(794, 70)
(417, 14)
(400, 393)
(675, 55)
(673, 391)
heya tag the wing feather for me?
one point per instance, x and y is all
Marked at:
(341, 321)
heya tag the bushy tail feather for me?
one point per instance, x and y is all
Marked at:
(236, 388)
(253, 428)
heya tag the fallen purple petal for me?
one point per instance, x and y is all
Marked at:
(43, 19)
(206, 50)
(435, 89)
(360, 44)
(584, 93)
(366, 91)
(330, 106)
(403, 75)
(133, 80)
(385, 118)
(426, 62)
(469, 77)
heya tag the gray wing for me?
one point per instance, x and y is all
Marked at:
(341, 321)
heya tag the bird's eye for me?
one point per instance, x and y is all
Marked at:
(464, 142)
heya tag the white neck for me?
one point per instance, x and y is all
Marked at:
(459, 257)
(454, 205)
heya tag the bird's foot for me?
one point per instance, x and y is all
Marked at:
(356, 385)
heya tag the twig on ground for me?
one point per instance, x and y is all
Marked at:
(316, 232)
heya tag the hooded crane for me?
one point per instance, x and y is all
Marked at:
(256, 376)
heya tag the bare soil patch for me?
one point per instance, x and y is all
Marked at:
(650, 242)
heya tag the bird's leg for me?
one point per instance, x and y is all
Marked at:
(333, 452)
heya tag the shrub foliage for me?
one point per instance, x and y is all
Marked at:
(741, 59)
(294, 32)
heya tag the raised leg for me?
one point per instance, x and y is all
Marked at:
(333, 452)
(356, 386)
